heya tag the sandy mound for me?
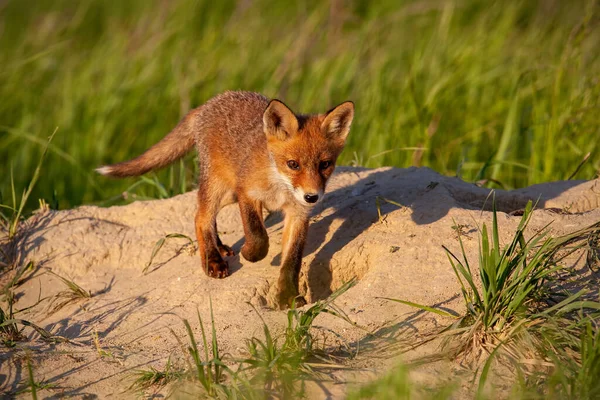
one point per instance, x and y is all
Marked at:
(398, 255)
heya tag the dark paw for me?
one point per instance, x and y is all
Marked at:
(226, 251)
(256, 250)
(217, 269)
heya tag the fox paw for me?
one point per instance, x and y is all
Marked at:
(217, 269)
(285, 299)
(226, 251)
(254, 251)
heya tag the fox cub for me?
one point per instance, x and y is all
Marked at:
(259, 153)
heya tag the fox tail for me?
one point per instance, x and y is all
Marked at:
(171, 148)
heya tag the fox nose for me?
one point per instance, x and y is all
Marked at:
(311, 198)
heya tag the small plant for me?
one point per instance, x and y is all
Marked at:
(32, 385)
(398, 385)
(10, 221)
(105, 355)
(9, 330)
(209, 373)
(394, 385)
(10, 333)
(147, 378)
(271, 369)
(18, 277)
(73, 293)
(278, 368)
(159, 244)
(378, 201)
(512, 315)
(577, 366)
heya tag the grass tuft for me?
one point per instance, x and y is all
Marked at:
(145, 379)
(274, 367)
(207, 371)
(10, 331)
(10, 221)
(513, 317)
(73, 293)
(280, 367)
(512, 294)
(160, 243)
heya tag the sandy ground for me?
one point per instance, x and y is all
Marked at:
(134, 315)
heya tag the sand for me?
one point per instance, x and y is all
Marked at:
(135, 316)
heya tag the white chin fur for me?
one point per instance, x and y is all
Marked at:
(299, 195)
(104, 170)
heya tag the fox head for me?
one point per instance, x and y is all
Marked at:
(304, 149)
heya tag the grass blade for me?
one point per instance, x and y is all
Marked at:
(420, 306)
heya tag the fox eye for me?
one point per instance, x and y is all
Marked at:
(324, 164)
(293, 165)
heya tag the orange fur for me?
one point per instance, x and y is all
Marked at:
(261, 154)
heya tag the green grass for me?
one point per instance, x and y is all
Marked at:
(12, 215)
(11, 327)
(276, 366)
(500, 91)
(160, 243)
(547, 336)
(144, 379)
(281, 365)
(512, 307)
(72, 293)
(397, 384)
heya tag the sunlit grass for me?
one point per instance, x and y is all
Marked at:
(497, 91)
(277, 365)
(548, 338)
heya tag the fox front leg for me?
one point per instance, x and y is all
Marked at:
(256, 245)
(294, 238)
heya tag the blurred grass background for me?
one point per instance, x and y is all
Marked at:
(505, 92)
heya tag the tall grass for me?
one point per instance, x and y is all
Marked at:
(545, 333)
(497, 90)
(513, 290)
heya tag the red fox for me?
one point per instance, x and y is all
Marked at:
(259, 153)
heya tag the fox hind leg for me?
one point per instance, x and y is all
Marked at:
(208, 240)
(228, 198)
(225, 250)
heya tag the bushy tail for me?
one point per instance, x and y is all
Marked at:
(171, 148)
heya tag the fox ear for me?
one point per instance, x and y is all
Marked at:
(337, 121)
(279, 120)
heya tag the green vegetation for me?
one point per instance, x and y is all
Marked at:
(11, 327)
(279, 368)
(151, 377)
(160, 243)
(513, 299)
(513, 316)
(276, 367)
(503, 93)
(71, 294)
(10, 216)
(10, 333)
(499, 91)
